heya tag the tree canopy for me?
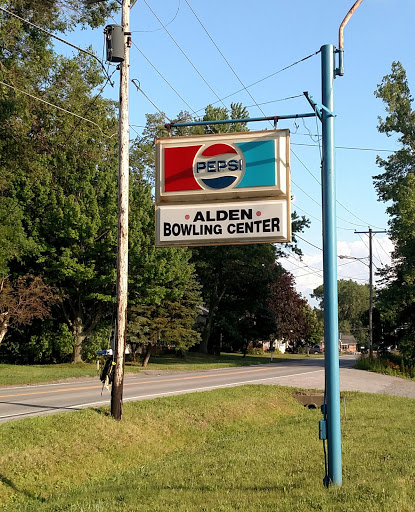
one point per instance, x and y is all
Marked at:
(353, 304)
(396, 187)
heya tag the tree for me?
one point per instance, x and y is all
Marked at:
(23, 299)
(57, 172)
(314, 326)
(170, 323)
(353, 305)
(290, 310)
(163, 291)
(396, 186)
(235, 285)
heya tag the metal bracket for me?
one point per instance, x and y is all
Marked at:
(318, 107)
(275, 119)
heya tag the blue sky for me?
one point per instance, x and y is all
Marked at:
(258, 39)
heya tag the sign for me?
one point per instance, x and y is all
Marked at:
(231, 188)
(221, 166)
(223, 223)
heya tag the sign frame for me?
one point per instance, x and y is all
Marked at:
(179, 212)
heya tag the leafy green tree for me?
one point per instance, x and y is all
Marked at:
(163, 292)
(396, 187)
(235, 282)
(57, 171)
(169, 323)
(314, 326)
(353, 304)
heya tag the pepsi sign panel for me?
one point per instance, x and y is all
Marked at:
(236, 165)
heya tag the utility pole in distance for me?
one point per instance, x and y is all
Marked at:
(370, 233)
(123, 193)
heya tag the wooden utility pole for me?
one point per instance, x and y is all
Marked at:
(123, 193)
(370, 233)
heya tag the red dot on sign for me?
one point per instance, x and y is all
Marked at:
(258, 214)
(187, 217)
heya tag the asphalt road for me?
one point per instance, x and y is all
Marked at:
(35, 400)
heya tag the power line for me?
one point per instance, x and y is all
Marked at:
(377, 252)
(318, 272)
(225, 59)
(318, 204)
(165, 79)
(134, 80)
(158, 29)
(306, 193)
(275, 101)
(59, 108)
(351, 213)
(185, 55)
(344, 277)
(337, 201)
(59, 39)
(92, 102)
(262, 79)
(305, 167)
(383, 249)
(342, 147)
(317, 219)
(307, 242)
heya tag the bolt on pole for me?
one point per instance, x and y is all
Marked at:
(122, 253)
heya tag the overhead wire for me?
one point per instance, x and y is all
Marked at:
(337, 201)
(262, 79)
(318, 272)
(165, 79)
(275, 101)
(134, 80)
(383, 249)
(309, 243)
(319, 220)
(185, 55)
(158, 29)
(377, 251)
(91, 103)
(224, 58)
(59, 108)
(343, 147)
(51, 34)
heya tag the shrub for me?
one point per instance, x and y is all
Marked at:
(255, 352)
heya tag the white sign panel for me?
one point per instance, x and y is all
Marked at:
(224, 223)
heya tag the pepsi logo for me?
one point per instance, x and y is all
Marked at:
(219, 166)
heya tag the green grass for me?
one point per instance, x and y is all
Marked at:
(14, 374)
(30, 374)
(251, 448)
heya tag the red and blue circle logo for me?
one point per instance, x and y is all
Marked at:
(219, 166)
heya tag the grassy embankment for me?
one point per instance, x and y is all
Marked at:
(11, 374)
(392, 364)
(251, 448)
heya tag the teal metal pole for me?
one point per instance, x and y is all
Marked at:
(331, 328)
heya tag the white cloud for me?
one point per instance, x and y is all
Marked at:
(308, 271)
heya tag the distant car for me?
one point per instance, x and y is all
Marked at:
(317, 349)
